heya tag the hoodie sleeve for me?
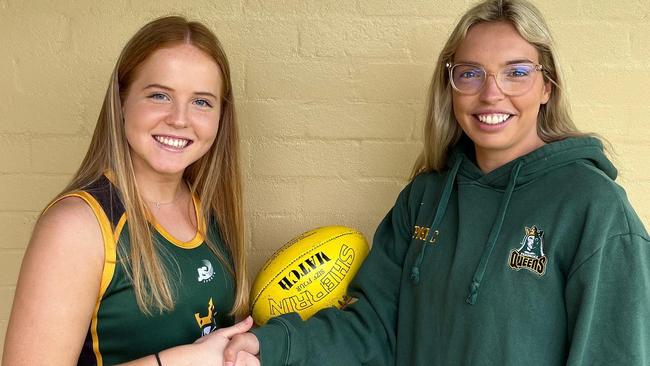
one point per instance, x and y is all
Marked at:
(608, 303)
(363, 333)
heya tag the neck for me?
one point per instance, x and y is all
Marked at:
(159, 189)
(489, 159)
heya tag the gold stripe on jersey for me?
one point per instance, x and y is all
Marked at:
(198, 238)
(109, 260)
(119, 227)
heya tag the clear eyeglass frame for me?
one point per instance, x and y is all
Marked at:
(505, 89)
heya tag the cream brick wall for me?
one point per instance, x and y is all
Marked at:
(330, 96)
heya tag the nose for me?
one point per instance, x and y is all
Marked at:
(178, 116)
(491, 91)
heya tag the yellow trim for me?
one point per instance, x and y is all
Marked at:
(110, 251)
(110, 175)
(119, 227)
(198, 237)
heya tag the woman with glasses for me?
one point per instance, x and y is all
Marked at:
(512, 245)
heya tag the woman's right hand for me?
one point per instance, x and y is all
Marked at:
(217, 340)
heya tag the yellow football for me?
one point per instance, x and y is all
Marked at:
(309, 273)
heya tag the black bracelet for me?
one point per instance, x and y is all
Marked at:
(158, 359)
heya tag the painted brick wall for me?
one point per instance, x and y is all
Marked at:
(330, 96)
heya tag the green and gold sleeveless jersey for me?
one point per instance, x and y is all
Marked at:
(204, 289)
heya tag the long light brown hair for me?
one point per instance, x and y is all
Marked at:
(214, 178)
(441, 130)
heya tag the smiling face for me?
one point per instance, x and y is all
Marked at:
(172, 109)
(502, 127)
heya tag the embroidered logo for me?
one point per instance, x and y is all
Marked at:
(207, 323)
(206, 272)
(530, 254)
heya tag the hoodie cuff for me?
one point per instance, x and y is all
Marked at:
(274, 343)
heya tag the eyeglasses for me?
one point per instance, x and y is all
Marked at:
(512, 80)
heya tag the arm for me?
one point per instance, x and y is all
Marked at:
(57, 292)
(365, 332)
(206, 350)
(57, 287)
(607, 299)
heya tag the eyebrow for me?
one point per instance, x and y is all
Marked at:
(159, 86)
(510, 62)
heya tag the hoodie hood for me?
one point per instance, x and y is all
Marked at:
(506, 179)
(534, 164)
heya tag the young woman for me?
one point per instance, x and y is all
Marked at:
(512, 244)
(143, 252)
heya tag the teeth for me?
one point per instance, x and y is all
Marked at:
(493, 119)
(172, 142)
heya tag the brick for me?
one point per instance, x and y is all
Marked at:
(6, 299)
(17, 229)
(383, 159)
(631, 10)
(619, 122)
(251, 41)
(612, 86)
(281, 8)
(10, 261)
(29, 192)
(15, 153)
(305, 81)
(632, 156)
(418, 8)
(370, 38)
(256, 260)
(640, 40)
(426, 39)
(270, 232)
(262, 196)
(559, 9)
(58, 154)
(578, 46)
(306, 158)
(405, 83)
(372, 198)
(344, 8)
(346, 121)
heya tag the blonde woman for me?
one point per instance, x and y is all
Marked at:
(142, 253)
(512, 245)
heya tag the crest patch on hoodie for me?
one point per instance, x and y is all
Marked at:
(530, 254)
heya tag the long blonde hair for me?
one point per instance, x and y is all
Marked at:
(441, 130)
(215, 177)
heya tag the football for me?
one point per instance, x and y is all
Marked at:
(309, 273)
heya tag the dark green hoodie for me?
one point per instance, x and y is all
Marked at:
(539, 262)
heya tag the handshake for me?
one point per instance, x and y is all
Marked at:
(233, 346)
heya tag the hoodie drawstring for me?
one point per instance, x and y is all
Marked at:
(494, 235)
(440, 213)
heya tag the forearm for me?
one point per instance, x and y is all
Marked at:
(184, 355)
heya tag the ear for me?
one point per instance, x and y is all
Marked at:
(546, 93)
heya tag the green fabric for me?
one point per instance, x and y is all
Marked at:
(125, 333)
(565, 282)
(203, 289)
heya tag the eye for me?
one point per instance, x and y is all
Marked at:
(466, 72)
(518, 71)
(158, 97)
(203, 103)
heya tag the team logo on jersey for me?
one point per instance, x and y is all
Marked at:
(530, 254)
(207, 323)
(206, 272)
